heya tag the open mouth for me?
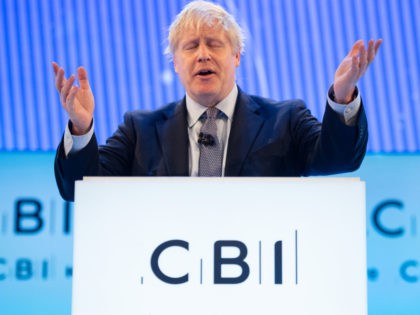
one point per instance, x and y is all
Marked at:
(205, 72)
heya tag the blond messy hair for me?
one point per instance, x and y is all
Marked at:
(197, 14)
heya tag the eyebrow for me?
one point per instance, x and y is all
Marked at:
(198, 38)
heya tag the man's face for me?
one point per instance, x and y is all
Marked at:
(206, 64)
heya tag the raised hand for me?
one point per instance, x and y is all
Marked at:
(352, 68)
(78, 102)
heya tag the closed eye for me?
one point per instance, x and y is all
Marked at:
(215, 43)
(190, 45)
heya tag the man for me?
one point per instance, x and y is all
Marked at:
(238, 135)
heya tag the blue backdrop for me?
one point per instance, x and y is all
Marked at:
(292, 50)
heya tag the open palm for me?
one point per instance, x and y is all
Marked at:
(77, 101)
(352, 68)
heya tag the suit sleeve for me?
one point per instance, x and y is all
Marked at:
(337, 148)
(68, 169)
(112, 159)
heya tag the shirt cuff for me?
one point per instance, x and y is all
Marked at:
(347, 111)
(72, 143)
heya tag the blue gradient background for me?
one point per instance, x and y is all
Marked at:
(292, 50)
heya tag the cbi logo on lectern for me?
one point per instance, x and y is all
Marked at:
(231, 262)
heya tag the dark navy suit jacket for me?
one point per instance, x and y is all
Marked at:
(267, 138)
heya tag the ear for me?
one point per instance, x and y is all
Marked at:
(175, 64)
(237, 59)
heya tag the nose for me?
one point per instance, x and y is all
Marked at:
(203, 54)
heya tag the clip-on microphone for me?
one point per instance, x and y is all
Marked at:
(206, 139)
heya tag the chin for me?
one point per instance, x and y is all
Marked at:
(207, 99)
(206, 93)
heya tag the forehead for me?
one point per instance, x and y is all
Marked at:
(204, 32)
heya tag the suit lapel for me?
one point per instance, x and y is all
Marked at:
(246, 125)
(173, 138)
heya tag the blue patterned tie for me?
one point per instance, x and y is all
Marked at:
(211, 150)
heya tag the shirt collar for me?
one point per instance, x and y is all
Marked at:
(227, 106)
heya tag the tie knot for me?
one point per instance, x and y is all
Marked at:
(211, 113)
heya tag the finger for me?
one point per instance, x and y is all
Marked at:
(83, 78)
(355, 50)
(377, 45)
(355, 68)
(363, 61)
(55, 67)
(371, 51)
(66, 89)
(59, 79)
(70, 98)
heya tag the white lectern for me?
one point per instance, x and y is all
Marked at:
(159, 246)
